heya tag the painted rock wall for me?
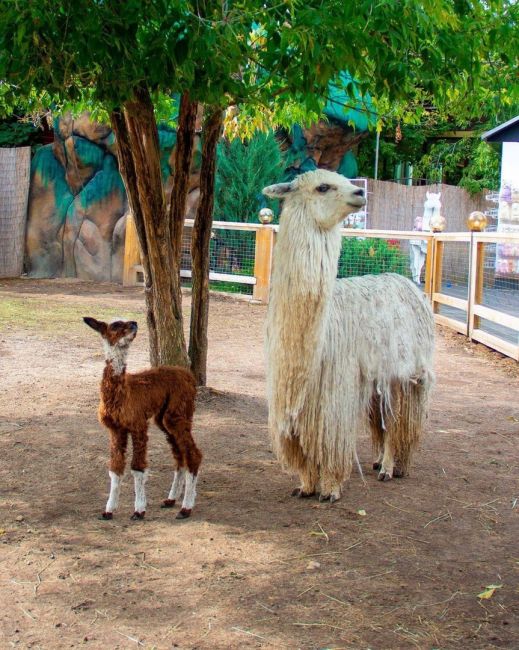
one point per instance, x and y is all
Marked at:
(77, 201)
(77, 205)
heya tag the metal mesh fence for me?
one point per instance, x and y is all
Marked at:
(370, 255)
(14, 191)
(455, 278)
(231, 253)
(500, 285)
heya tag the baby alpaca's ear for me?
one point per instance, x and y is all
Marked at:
(96, 325)
(278, 191)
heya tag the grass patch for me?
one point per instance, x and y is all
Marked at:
(55, 315)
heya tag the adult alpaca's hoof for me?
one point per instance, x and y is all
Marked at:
(332, 498)
(106, 516)
(377, 466)
(301, 494)
(138, 515)
(398, 473)
(184, 513)
(168, 503)
(384, 476)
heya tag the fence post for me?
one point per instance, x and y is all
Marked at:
(437, 273)
(132, 254)
(476, 279)
(429, 264)
(263, 263)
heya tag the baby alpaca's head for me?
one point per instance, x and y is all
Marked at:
(117, 337)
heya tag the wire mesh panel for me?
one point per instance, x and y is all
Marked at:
(231, 253)
(455, 269)
(500, 285)
(454, 282)
(14, 192)
(371, 255)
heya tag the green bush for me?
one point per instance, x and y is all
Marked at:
(17, 134)
(243, 170)
(371, 256)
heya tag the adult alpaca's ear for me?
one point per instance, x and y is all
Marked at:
(96, 325)
(278, 191)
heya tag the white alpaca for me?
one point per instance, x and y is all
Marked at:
(418, 247)
(344, 356)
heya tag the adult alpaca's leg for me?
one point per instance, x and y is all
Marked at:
(395, 453)
(118, 445)
(377, 431)
(139, 471)
(292, 456)
(409, 425)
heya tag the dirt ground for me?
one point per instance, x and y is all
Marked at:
(391, 565)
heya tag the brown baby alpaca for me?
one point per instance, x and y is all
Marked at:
(127, 403)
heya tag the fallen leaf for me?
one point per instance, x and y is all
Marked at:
(489, 592)
(362, 512)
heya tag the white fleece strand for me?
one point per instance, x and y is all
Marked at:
(331, 344)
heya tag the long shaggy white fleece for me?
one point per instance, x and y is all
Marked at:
(343, 356)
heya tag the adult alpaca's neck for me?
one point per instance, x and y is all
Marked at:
(305, 262)
(303, 280)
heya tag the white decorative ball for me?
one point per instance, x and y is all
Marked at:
(265, 215)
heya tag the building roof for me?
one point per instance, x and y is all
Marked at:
(507, 132)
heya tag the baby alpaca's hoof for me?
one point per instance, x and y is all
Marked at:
(301, 494)
(168, 503)
(184, 513)
(106, 515)
(377, 466)
(334, 497)
(138, 515)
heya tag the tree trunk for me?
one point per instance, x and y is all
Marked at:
(127, 170)
(139, 158)
(181, 171)
(200, 241)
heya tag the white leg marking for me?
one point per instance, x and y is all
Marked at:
(115, 489)
(139, 479)
(177, 485)
(190, 493)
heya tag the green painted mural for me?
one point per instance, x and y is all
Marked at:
(77, 202)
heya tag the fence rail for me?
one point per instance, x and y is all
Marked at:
(471, 298)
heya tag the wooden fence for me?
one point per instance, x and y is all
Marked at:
(472, 304)
(14, 192)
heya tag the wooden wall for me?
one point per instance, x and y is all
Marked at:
(14, 192)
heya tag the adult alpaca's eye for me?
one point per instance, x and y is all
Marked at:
(323, 188)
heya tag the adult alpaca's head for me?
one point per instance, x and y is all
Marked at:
(326, 197)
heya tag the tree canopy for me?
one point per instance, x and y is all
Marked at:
(259, 54)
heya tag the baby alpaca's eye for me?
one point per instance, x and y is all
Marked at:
(323, 188)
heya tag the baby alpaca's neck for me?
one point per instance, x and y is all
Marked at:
(116, 358)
